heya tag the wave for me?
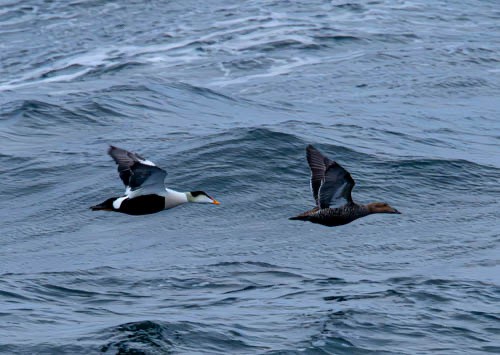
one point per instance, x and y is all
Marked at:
(160, 337)
(365, 314)
(360, 306)
(281, 159)
(249, 40)
(42, 116)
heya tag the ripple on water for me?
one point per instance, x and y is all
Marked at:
(159, 337)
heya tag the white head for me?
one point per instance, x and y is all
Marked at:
(200, 197)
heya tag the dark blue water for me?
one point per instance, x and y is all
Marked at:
(225, 97)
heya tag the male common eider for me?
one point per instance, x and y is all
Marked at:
(145, 191)
(332, 184)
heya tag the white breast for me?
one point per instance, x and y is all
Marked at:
(117, 203)
(174, 198)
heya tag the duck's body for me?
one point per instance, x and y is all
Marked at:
(145, 191)
(145, 204)
(332, 217)
(331, 184)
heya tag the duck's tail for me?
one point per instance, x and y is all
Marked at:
(105, 206)
(299, 218)
(99, 208)
(306, 216)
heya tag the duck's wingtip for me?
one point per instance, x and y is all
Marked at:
(310, 149)
(113, 148)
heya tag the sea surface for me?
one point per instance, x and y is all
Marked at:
(225, 96)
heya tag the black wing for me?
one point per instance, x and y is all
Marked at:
(318, 164)
(137, 172)
(337, 185)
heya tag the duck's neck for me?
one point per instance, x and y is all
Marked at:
(353, 211)
(362, 210)
(174, 198)
(368, 208)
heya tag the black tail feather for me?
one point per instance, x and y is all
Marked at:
(99, 208)
(105, 206)
(299, 218)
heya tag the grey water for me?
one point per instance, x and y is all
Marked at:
(225, 97)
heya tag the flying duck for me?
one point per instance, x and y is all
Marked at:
(145, 190)
(331, 184)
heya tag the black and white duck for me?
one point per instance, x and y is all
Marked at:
(145, 190)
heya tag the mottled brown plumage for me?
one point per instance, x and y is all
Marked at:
(332, 184)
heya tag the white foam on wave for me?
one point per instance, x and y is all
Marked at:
(255, 40)
(231, 36)
(240, 20)
(284, 66)
(105, 57)
(88, 60)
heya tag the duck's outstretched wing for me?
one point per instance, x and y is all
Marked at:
(336, 187)
(139, 175)
(330, 182)
(318, 164)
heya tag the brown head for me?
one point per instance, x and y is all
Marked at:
(381, 207)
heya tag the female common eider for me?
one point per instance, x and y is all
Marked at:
(145, 191)
(332, 184)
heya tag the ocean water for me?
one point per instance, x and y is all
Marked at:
(225, 97)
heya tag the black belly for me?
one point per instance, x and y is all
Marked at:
(146, 204)
(332, 217)
(331, 222)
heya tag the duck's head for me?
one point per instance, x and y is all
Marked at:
(381, 207)
(201, 197)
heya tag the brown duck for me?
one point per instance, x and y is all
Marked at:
(332, 184)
